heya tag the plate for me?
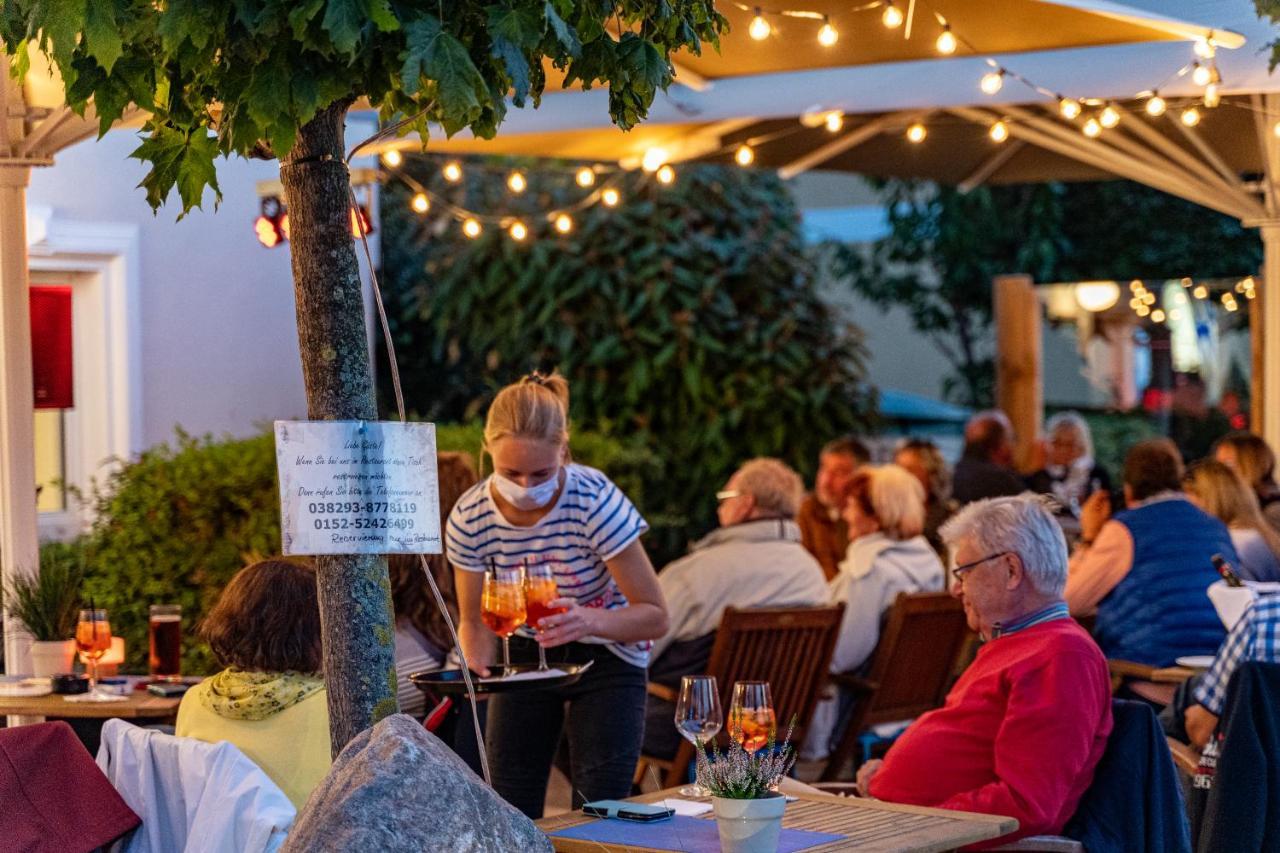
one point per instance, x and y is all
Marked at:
(25, 688)
(1195, 661)
(524, 677)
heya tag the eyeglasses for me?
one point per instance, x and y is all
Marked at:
(960, 571)
(727, 494)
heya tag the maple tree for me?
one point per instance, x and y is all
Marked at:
(268, 78)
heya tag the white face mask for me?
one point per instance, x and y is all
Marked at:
(527, 497)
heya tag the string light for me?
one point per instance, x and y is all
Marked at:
(1211, 96)
(420, 203)
(452, 171)
(653, 158)
(518, 231)
(472, 228)
(1135, 303)
(999, 132)
(586, 177)
(1135, 286)
(1148, 297)
(1092, 128)
(666, 174)
(1069, 108)
(1200, 74)
(744, 156)
(892, 16)
(946, 43)
(1200, 291)
(916, 133)
(1156, 105)
(516, 182)
(1157, 316)
(1191, 116)
(827, 35)
(1205, 48)
(759, 28)
(834, 121)
(1142, 310)
(992, 82)
(1109, 117)
(610, 197)
(392, 158)
(564, 223)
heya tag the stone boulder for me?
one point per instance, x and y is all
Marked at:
(397, 787)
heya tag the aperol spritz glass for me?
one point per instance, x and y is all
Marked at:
(502, 606)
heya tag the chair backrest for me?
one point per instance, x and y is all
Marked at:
(914, 660)
(788, 647)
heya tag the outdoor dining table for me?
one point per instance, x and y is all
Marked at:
(866, 825)
(139, 705)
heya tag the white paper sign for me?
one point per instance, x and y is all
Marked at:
(358, 487)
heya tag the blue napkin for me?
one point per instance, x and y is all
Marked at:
(685, 834)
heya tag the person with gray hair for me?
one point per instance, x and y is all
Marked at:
(1070, 473)
(1021, 732)
(754, 559)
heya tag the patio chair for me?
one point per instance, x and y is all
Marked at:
(910, 671)
(788, 647)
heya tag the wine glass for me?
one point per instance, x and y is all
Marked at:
(698, 718)
(539, 591)
(93, 640)
(502, 607)
(751, 719)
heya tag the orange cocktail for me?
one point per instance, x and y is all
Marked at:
(753, 729)
(539, 591)
(502, 606)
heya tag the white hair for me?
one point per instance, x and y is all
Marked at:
(776, 487)
(1020, 525)
(1072, 420)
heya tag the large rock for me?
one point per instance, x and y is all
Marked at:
(397, 787)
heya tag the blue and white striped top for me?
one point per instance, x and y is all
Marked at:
(591, 522)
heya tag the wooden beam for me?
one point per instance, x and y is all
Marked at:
(1266, 148)
(1019, 380)
(689, 78)
(44, 129)
(852, 139)
(1206, 151)
(991, 165)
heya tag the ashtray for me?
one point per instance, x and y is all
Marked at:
(70, 684)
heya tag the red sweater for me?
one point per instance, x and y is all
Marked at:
(1019, 735)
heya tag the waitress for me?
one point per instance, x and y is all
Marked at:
(539, 506)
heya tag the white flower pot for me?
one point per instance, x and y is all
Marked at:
(749, 826)
(51, 657)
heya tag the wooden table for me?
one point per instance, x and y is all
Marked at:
(141, 705)
(868, 825)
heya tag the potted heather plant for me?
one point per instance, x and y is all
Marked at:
(48, 604)
(744, 795)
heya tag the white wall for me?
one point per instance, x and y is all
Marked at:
(218, 338)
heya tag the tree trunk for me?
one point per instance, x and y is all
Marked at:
(355, 596)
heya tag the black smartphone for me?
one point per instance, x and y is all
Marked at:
(169, 688)
(639, 812)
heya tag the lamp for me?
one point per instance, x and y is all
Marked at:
(1097, 296)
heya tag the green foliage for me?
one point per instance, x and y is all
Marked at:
(686, 319)
(1270, 9)
(945, 247)
(48, 602)
(223, 77)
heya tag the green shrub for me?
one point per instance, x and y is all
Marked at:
(48, 603)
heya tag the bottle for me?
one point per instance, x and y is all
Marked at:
(1224, 568)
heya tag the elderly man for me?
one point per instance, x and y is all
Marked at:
(1145, 571)
(985, 469)
(754, 559)
(822, 526)
(1024, 727)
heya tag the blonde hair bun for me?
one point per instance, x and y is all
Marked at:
(536, 407)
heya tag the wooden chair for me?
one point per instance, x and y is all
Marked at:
(910, 671)
(788, 647)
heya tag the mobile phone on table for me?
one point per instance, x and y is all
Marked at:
(168, 689)
(640, 812)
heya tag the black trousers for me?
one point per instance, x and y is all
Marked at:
(601, 717)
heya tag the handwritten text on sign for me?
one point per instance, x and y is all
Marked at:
(358, 487)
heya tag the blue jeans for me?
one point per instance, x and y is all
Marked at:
(601, 716)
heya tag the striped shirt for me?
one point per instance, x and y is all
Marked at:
(1046, 614)
(1255, 637)
(591, 522)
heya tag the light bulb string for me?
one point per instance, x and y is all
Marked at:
(806, 14)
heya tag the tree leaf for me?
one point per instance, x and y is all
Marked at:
(436, 55)
(102, 34)
(342, 21)
(565, 34)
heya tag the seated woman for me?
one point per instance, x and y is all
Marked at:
(269, 700)
(1070, 473)
(422, 637)
(1221, 492)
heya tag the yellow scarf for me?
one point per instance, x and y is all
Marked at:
(239, 695)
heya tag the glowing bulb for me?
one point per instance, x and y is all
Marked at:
(1156, 105)
(420, 203)
(471, 228)
(1149, 298)
(946, 43)
(827, 36)
(1211, 96)
(992, 82)
(1092, 128)
(1135, 286)
(1142, 310)
(759, 28)
(1200, 291)
(1135, 303)
(1232, 305)
(516, 182)
(834, 121)
(452, 171)
(892, 15)
(1157, 316)
(564, 223)
(1250, 293)
(666, 174)
(653, 158)
(1200, 75)
(1069, 108)
(1191, 116)
(1109, 117)
(999, 132)
(744, 156)
(586, 176)
(610, 197)
(1097, 296)
(392, 158)
(1275, 128)
(917, 132)
(518, 231)
(1205, 48)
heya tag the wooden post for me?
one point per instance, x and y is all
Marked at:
(1268, 403)
(1019, 364)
